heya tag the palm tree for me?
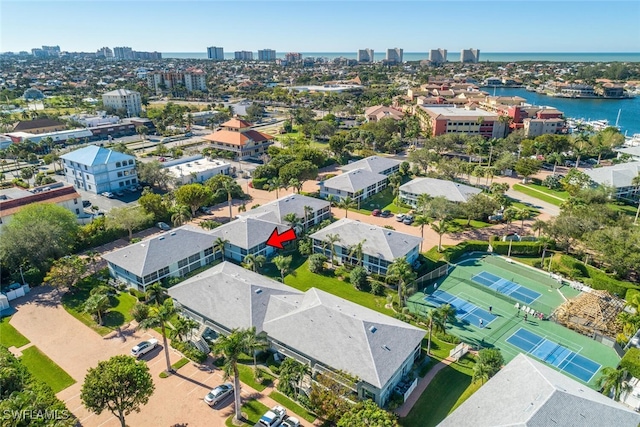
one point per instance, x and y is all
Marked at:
(538, 226)
(182, 215)
(182, 327)
(160, 316)
(422, 203)
(422, 220)
(254, 262)
(294, 221)
(356, 252)
(156, 292)
(97, 304)
(480, 372)
(283, 263)
(253, 344)
(219, 245)
(636, 182)
(333, 200)
(275, 184)
(232, 346)
(347, 203)
(441, 227)
(434, 321)
(613, 380)
(229, 187)
(331, 239)
(401, 271)
(447, 313)
(296, 184)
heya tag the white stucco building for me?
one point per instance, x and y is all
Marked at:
(128, 100)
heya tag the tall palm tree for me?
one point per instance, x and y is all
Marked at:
(636, 182)
(254, 343)
(254, 262)
(333, 200)
(481, 372)
(347, 203)
(182, 215)
(294, 221)
(283, 263)
(232, 346)
(308, 214)
(538, 226)
(613, 381)
(156, 292)
(160, 316)
(422, 220)
(401, 272)
(296, 184)
(229, 187)
(356, 252)
(331, 240)
(434, 321)
(219, 245)
(275, 184)
(182, 328)
(447, 313)
(441, 227)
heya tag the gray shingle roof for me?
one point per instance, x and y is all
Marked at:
(529, 393)
(92, 155)
(375, 164)
(380, 242)
(354, 180)
(619, 175)
(231, 295)
(151, 255)
(294, 203)
(247, 233)
(334, 331)
(439, 187)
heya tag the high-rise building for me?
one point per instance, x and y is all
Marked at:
(125, 99)
(52, 50)
(105, 52)
(394, 55)
(215, 53)
(123, 53)
(266, 55)
(470, 55)
(292, 57)
(243, 55)
(195, 79)
(365, 55)
(438, 56)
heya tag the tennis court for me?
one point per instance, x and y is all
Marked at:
(464, 309)
(506, 287)
(555, 354)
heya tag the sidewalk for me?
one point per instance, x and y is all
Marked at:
(406, 407)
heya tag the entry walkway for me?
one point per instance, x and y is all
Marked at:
(406, 407)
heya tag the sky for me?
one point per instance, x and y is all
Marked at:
(322, 26)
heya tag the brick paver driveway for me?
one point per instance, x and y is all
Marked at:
(177, 400)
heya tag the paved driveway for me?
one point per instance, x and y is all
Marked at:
(177, 400)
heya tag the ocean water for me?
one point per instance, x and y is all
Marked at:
(454, 56)
(588, 109)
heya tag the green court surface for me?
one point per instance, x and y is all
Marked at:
(509, 320)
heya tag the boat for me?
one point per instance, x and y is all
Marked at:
(632, 141)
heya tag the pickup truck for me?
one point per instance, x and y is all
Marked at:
(272, 418)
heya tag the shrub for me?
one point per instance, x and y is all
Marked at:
(135, 240)
(453, 253)
(189, 351)
(358, 277)
(316, 263)
(518, 248)
(377, 288)
(141, 296)
(631, 362)
(260, 183)
(448, 338)
(341, 272)
(395, 401)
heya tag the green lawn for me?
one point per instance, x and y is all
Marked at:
(448, 389)
(303, 280)
(9, 336)
(45, 369)
(537, 194)
(118, 314)
(253, 410)
(292, 406)
(382, 200)
(246, 376)
(554, 193)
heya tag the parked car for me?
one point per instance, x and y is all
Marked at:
(108, 194)
(400, 217)
(218, 394)
(291, 422)
(408, 219)
(119, 193)
(376, 212)
(163, 226)
(511, 237)
(144, 347)
(86, 203)
(386, 213)
(272, 418)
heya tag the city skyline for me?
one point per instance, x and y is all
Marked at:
(311, 26)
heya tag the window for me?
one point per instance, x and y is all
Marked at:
(77, 211)
(130, 162)
(118, 164)
(75, 201)
(85, 167)
(194, 258)
(183, 262)
(119, 174)
(208, 251)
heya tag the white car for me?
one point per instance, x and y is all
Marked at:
(218, 394)
(273, 417)
(144, 347)
(291, 422)
(400, 217)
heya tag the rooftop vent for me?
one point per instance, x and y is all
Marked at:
(258, 291)
(373, 329)
(386, 348)
(161, 238)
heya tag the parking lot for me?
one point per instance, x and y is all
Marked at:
(177, 400)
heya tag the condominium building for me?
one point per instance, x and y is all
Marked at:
(243, 55)
(266, 55)
(123, 53)
(365, 55)
(105, 52)
(470, 55)
(293, 57)
(394, 55)
(215, 53)
(438, 56)
(195, 79)
(444, 119)
(128, 100)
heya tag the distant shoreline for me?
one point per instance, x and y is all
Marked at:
(452, 57)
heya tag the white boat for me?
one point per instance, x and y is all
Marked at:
(632, 141)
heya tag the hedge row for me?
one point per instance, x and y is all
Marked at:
(517, 248)
(453, 253)
(631, 362)
(259, 183)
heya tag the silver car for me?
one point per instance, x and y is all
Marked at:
(218, 394)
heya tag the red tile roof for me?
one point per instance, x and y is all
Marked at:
(237, 138)
(236, 124)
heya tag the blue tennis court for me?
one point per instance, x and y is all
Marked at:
(554, 354)
(464, 309)
(506, 287)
